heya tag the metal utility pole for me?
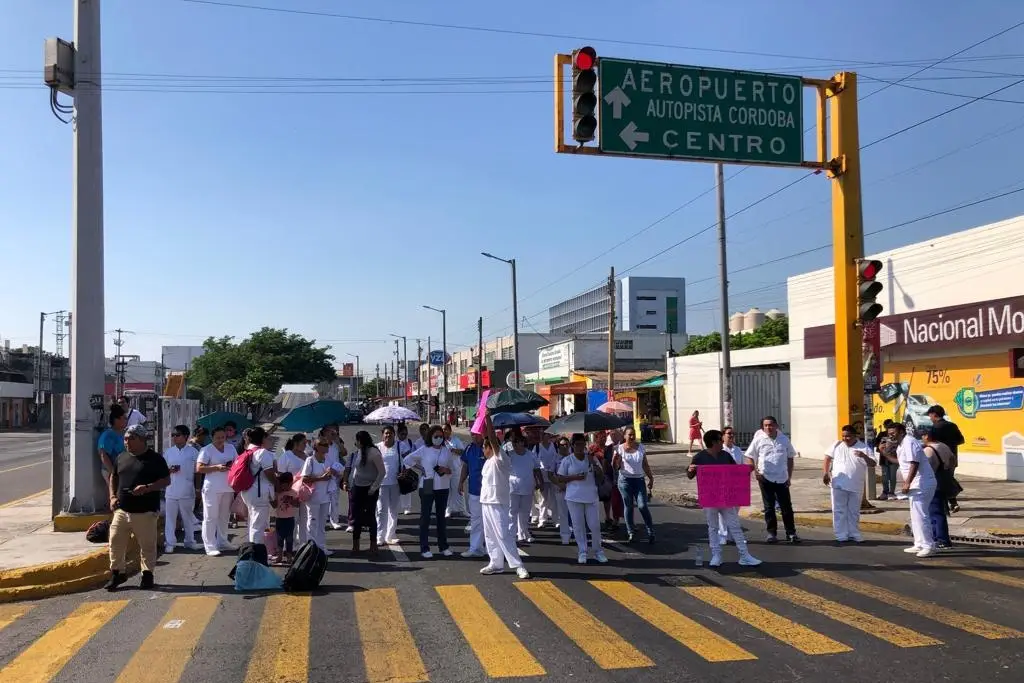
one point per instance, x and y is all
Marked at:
(376, 382)
(723, 277)
(404, 360)
(444, 352)
(479, 358)
(430, 372)
(419, 376)
(120, 364)
(611, 335)
(39, 365)
(515, 312)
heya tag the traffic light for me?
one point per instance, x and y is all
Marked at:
(584, 94)
(868, 289)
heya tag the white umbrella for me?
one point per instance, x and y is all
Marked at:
(391, 414)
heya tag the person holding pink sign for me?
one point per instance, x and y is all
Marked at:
(714, 454)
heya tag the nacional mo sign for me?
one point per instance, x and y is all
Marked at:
(687, 112)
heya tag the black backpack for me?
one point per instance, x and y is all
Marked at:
(307, 570)
(253, 552)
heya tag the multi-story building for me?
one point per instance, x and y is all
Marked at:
(643, 304)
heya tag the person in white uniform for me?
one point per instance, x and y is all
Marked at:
(495, 494)
(388, 500)
(291, 461)
(845, 470)
(257, 497)
(456, 500)
(547, 459)
(580, 474)
(405, 447)
(214, 462)
(564, 522)
(317, 473)
(524, 481)
(180, 496)
(729, 446)
(337, 460)
(918, 484)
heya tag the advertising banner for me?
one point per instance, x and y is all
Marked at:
(872, 353)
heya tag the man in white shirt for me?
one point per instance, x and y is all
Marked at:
(918, 484)
(135, 417)
(180, 496)
(846, 468)
(257, 497)
(771, 454)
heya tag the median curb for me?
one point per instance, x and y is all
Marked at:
(67, 522)
(73, 575)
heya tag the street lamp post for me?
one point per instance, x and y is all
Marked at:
(405, 363)
(515, 311)
(444, 352)
(358, 376)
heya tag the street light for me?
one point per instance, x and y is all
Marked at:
(405, 361)
(515, 311)
(358, 376)
(444, 352)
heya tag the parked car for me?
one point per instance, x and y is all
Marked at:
(355, 416)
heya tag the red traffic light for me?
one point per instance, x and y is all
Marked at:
(869, 269)
(585, 58)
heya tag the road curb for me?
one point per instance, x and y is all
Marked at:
(76, 574)
(65, 522)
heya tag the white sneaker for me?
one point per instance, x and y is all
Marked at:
(168, 548)
(447, 552)
(406, 512)
(427, 555)
(469, 527)
(582, 559)
(522, 573)
(926, 552)
(393, 541)
(748, 560)
(328, 552)
(474, 553)
(912, 549)
(716, 560)
(213, 553)
(348, 529)
(335, 525)
(601, 557)
(492, 570)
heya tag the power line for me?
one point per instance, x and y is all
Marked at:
(942, 92)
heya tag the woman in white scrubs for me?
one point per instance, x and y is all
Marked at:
(291, 461)
(524, 481)
(317, 472)
(214, 462)
(388, 501)
(580, 473)
(494, 507)
(405, 447)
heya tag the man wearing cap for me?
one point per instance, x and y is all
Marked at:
(138, 476)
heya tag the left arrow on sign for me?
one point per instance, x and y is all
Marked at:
(618, 99)
(630, 135)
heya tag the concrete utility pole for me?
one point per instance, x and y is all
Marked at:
(430, 372)
(376, 382)
(479, 358)
(611, 335)
(444, 351)
(404, 361)
(723, 277)
(419, 380)
(515, 312)
(120, 365)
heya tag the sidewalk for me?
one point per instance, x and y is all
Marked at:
(989, 510)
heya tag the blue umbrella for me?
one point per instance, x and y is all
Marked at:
(313, 416)
(506, 420)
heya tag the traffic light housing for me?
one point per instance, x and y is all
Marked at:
(584, 94)
(868, 289)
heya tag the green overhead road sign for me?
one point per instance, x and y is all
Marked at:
(688, 112)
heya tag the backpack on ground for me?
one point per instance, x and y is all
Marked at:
(250, 552)
(240, 476)
(307, 569)
(98, 532)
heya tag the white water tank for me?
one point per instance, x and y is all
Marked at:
(735, 323)
(752, 320)
(774, 314)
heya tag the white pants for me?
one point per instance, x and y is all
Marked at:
(180, 507)
(259, 516)
(301, 535)
(334, 513)
(564, 523)
(920, 524)
(456, 502)
(476, 525)
(728, 519)
(586, 515)
(519, 515)
(405, 502)
(216, 514)
(846, 514)
(316, 517)
(547, 507)
(387, 513)
(498, 536)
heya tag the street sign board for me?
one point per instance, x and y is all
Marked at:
(689, 112)
(438, 358)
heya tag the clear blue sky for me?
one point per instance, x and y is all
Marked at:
(339, 215)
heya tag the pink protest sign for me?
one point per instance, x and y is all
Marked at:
(723, 486)
(481, 413)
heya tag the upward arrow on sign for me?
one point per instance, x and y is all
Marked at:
(618, 99)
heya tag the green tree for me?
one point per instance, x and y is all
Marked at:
(773, 332)
(253, 370)
(374, 387)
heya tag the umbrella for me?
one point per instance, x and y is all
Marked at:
(581, 423)
(220, 418)
(506, 420)
(515, 401)
(390, 414)
(613, 407)
(313, 416)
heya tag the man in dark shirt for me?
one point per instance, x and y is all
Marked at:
(948, 433)
(883, 445)
(135, 484)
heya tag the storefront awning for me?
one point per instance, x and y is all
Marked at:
(652, 383)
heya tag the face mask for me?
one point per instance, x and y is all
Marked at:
(438, 440)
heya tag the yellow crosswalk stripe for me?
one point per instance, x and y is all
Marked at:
(281, 651)
(1012, 562)
(800, 637)
(500, 653)
(983, 574)
(862, 621)
(164, 654)
(11, 613)
(601, 643)
(943, 615)
(389, 651)
(45, 658)
(683, 630)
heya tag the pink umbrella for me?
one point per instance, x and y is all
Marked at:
(612, 407)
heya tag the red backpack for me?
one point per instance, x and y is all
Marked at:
(240, 476)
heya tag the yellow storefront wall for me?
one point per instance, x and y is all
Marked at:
(977, 392)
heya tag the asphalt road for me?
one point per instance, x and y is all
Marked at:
(24, 464)
(814, 612)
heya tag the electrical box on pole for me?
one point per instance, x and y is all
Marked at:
(868, 289)
(584, 94)
(59, 65)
